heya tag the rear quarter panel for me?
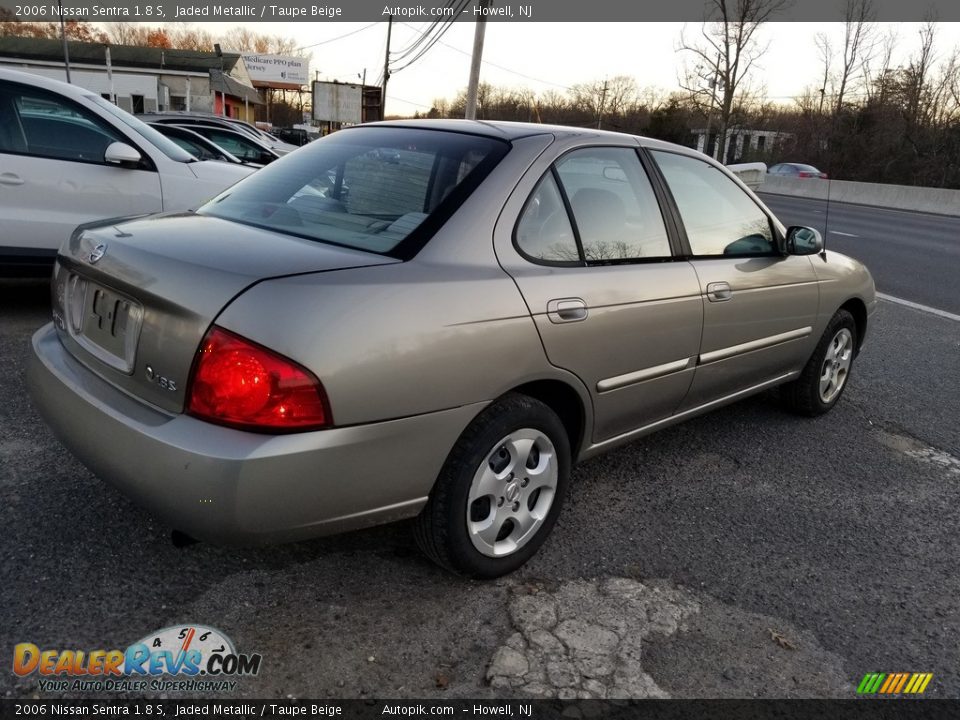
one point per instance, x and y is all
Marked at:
(398, 340)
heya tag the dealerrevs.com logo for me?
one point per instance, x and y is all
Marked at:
(188, 658)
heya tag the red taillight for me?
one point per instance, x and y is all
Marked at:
(804, 173)
(238, 383)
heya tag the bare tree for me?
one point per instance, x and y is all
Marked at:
(613, 96)
(724, 55)
(858, 44)
(825, 49)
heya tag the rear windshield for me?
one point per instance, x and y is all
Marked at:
(379, 189)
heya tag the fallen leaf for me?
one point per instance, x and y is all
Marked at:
(442, 681)
(781, 640)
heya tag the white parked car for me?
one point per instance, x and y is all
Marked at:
(69, 157)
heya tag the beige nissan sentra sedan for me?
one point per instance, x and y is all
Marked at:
(431, 320)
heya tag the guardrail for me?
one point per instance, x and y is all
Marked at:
(752, 174)
(899, 197)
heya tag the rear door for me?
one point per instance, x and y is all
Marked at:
(759, 306)
(586, 243)
(52, 173)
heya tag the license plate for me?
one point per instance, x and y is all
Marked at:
(106, 323)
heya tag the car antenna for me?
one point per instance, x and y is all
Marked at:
(826, 216)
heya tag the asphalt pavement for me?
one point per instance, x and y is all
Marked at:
(746, 553)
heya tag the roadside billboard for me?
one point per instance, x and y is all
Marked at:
(337, 102)
(277, 70)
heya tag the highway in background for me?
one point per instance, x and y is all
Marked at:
(913, 256)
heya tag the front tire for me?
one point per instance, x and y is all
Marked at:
(499, 492)
(827, 372)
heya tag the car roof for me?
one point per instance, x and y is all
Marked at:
(516, 130)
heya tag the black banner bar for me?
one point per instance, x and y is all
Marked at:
(156, 11)
(892, 709)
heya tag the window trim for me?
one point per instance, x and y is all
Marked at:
(666, 209)
(777, 239)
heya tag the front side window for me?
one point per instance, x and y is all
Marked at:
(719, 217)
(236, 144)
(151, 135)
(46, 125)
(371, 188)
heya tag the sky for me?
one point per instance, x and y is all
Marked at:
(545, 56)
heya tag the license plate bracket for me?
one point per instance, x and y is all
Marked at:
(104, 322)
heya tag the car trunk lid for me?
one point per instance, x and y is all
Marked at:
(132, 302)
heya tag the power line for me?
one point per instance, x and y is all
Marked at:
(410, 102)
(444, 27)
(339, 37)
(420, 39)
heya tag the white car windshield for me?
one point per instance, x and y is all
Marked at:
(163, 144)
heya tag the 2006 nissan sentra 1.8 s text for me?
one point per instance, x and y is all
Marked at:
(431, 320)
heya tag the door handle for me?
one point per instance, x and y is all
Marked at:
(719, 292)
(10, 179)
(567, 310)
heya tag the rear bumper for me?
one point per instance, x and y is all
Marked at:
(228, 486)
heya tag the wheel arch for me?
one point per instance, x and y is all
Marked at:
(856, 307)
(566, 402)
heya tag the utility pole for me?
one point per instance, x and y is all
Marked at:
(223, 83)
(474, 83)
(63, 38)
(386, 71)
(113, 96)
(603, 101)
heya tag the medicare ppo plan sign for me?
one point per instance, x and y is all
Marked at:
(277, 70)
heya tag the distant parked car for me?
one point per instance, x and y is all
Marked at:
(200, 118)
(69, 157)
(489, 304)
(295, 136)
(196, 144)
(238, 144)
(797, 170)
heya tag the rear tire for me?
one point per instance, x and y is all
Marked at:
(827, 372)
(499, 492)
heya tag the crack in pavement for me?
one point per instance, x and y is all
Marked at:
(585, 640)
(616, 638)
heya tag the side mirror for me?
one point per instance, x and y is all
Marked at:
(119, 153)
(804, 241)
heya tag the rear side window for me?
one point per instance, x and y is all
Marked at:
(719, 217)
(597, 206)
(613, 205)
(544, 233)
(381, 189)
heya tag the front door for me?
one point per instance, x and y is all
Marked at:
(760, 306)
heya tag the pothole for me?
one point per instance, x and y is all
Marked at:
(616, 638)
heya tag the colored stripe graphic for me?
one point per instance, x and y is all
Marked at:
(891, 679)
(894, 683)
